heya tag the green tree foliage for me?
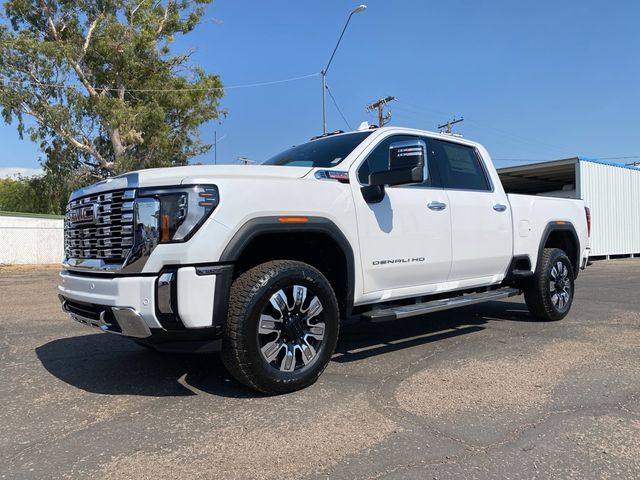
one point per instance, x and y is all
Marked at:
(47, 193)
(17, 196)
(104, 92)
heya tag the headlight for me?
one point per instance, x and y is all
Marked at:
(174, 214)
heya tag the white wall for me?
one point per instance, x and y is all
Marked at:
(613, 195)
(31, 240)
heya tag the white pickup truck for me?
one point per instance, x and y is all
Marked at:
(264, 262)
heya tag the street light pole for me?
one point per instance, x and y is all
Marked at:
(323, 73)
(324, 102)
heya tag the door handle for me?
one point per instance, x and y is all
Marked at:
(498, 207)
(437, 206)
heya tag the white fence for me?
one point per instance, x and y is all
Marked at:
(30, 239)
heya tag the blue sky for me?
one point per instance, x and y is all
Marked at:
(533, 79)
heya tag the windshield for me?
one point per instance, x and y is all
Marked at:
(324, 153)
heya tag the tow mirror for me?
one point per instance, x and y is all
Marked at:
(406, 166)
(372, 193)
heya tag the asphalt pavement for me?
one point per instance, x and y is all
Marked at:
(479, 392)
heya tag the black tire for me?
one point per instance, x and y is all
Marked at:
(547, 299)
(246, 349)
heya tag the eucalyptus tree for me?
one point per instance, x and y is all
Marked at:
(100, 80)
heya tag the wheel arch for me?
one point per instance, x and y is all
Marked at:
(561, 234)
(282, 240)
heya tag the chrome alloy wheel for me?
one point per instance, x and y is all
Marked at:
(290, 333)
(560, 286)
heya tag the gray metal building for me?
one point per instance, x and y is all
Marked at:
(610, 190)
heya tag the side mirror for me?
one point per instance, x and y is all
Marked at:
(406, 164)
(372, 193)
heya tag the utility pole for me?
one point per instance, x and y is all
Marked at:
(450, 123)
(379, 106)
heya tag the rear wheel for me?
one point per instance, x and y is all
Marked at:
(549, 294)
(282, 327)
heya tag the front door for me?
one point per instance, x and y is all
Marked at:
(405, 240)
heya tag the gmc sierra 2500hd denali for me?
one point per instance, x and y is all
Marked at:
(265, 261)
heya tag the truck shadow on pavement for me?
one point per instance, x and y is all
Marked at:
(112, 365)
(363, 340)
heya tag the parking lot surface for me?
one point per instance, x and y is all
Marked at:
(479, 392)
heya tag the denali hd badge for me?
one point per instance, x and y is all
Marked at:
(399, 260)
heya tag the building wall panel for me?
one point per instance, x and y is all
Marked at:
(31, 240)
(613, 195)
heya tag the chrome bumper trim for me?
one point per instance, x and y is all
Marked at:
(165, 290)
(130, 321)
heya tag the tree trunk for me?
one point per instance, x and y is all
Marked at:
(116, 143)
(114, 133)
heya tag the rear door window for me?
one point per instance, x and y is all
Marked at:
(459, 166)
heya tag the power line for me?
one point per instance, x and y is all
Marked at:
(546, 159)
(520, 159)
(167, 90)
(512, 137)
(418, 112)
(617, 158)
(337, 107)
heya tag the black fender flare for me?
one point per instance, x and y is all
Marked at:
(560, 226)
(275, 224)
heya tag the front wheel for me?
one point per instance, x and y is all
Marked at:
(549, 294)
(282, 327)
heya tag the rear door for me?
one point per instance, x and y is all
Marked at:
(480, 215)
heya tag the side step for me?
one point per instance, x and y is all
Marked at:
(404, 311)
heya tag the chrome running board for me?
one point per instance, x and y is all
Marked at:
(403, 311)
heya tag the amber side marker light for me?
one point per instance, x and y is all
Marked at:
(293, 219)
(164, 229)
(561, 222)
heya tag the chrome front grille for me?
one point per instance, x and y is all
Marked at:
(100, 227)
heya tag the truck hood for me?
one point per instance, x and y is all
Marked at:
(161, 177)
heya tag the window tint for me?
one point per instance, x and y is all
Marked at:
(458, 165)
(378, 159)
(324, 153)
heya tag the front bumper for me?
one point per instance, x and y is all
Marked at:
(193, 306)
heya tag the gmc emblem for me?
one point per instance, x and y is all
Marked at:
(83, 214)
